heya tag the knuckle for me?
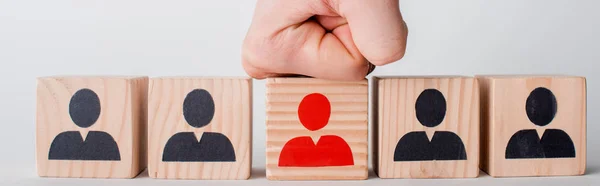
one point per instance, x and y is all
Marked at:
(389, 54)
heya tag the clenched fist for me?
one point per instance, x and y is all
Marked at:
(329, 39)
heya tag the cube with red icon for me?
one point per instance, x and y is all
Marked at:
(316, 129)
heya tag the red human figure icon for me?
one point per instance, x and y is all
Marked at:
(331, 150)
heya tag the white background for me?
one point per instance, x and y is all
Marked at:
(193, 37)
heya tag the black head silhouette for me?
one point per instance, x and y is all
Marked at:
(430, 108)
(84, 108)
(198, 108)
(541, 106)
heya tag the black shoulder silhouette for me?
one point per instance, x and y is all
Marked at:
(448, 146)
(97, 146)
(185, 147)
(415, 146)
(557, 144)
(526, 144)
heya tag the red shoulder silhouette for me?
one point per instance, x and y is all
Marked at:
(330, 150)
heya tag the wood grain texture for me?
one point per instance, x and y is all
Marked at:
(123, 112)
(394, 116)
(349, 120)
(232, 118)
(504, 99)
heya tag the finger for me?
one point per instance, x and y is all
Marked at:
(276, 15)
(259, 73)
(378, 29)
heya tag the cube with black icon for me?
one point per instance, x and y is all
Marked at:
(533, 125)
(426, 127)
(200, 128)
(91, 127)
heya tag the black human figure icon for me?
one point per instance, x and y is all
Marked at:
(430, 109)
(541, 107)
(84, 109)
(198, 111)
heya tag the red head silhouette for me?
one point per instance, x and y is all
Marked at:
(314, 111)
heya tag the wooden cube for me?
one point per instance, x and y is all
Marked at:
(91, 127)
(200, 128)
(316, 129)
(533, 125)
(426, 127)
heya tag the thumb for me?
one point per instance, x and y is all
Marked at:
(378, 29)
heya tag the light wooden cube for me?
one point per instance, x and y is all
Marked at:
(91, 127)
(316, 129)
(200, 128)
(426, 127)
(519, 110)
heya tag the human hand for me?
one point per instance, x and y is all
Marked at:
(329, 39)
